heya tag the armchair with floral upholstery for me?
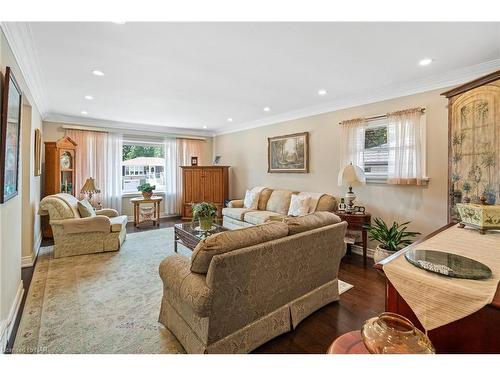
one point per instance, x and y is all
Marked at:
(74, 235)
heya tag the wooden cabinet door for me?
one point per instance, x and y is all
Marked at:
(212, 185)
(193, 185)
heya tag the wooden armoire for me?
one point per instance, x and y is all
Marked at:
(204, 184)
(474, 142)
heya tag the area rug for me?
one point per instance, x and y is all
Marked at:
(101, 303)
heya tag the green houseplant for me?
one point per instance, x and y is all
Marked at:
(146, 190)
(390, 239)
(204, 212)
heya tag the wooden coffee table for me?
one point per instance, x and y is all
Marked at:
(188, 236)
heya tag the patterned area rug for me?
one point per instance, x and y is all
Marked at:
(101, 303)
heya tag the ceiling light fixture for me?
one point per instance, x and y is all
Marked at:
(425, 62)
(97, 73)
(89, 97)
(229, 119)
(322, 92)
(204, 127)
(267, 109)
(85, 113)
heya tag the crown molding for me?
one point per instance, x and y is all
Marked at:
(20, 39)
(124, 126)
(444, 80)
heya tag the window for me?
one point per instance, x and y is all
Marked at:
(376, 150)
(142, 162)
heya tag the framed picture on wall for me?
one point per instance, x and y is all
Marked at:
(38, 152)
(288, 153)
(194, 161)
(9, 137)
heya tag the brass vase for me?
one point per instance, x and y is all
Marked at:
(206, 223)
(391, 333)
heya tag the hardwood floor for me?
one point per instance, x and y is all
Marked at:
(315, 333)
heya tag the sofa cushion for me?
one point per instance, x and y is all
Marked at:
(263, 198)
(235, 213)
(279, 201)
(260, 217)
(118, 222)
(311, 221)
(85, 209)
(327, 203)
(224, 242)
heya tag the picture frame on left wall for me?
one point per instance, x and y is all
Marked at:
(10, 132)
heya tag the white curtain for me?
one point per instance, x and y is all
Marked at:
(186, 148)
(406, 140)
(112, 184)
(352, 142)
(172, 192)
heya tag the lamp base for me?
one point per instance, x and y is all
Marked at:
(350, 197)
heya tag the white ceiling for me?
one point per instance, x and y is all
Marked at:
(190, 75)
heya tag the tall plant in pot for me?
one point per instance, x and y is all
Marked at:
(146, 190)
(205, 213)
(390, 239)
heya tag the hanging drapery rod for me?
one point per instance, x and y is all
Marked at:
(372, 118)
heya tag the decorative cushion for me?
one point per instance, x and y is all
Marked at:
(279, 201)
(224, 242)
(299, 205)
(85, 209)
(234, 213)
(311, 221)
(263, 198)
(118, 222)
(260, 217)
(327, 203)
(251, 200)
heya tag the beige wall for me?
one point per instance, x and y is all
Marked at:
(246, 153)
(18, 229)
(53, 131)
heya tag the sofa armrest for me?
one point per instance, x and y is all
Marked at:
(190, 287)
(109, 212)
(84, 225)
(236, 203)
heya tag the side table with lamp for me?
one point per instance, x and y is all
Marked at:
(356, 216)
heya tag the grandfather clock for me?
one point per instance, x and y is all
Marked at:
(59, 172)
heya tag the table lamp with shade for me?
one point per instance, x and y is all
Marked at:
(351, 175)
(89, 188)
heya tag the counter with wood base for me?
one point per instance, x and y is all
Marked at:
(476, 333)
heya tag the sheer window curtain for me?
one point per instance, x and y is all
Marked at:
(352, 143)
(172, 192)
(185, 149)
(406, 136)
(111, 191)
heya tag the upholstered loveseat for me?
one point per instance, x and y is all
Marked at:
(74, 235)
(244, 287)
(272, 204)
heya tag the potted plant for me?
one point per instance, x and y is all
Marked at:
(204, 212)
(391, 239)
(146, 190)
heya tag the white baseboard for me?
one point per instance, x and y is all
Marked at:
(29, 261)
(356, 249)
(7, 326)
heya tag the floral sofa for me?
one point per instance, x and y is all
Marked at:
(221, 301)
(273, 204)
(74, 235)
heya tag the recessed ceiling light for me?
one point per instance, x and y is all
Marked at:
(229, 119)
(85, 113)
(322, 92)
(89, 97)
(204, 126)
(267, 109)
(97, 73)
(425, 61)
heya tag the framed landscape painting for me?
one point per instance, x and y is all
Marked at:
(288, 153)
(9, 137)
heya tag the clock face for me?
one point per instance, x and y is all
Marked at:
(65, 161)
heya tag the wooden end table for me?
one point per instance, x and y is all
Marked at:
(358, 222)
(188, 236)
(155, 200)
(348, 343)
